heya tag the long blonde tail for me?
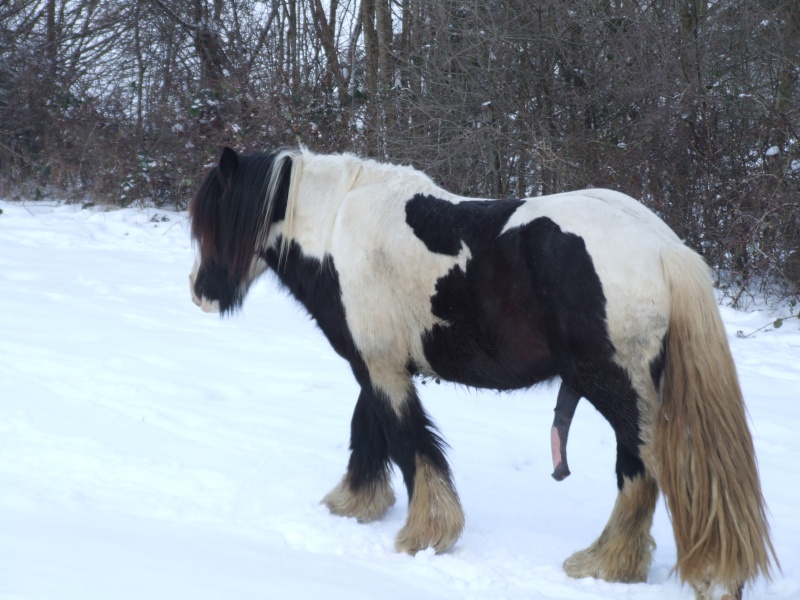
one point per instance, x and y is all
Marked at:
(706, 460)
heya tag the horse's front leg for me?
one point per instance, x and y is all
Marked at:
(399, 430)
(435, 517)
(365, 491)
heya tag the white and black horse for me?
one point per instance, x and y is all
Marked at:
(405, 278)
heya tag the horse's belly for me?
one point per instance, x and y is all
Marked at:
(500, 360)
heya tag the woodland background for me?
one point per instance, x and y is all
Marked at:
(691, 106)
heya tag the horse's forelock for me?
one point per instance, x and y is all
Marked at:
(203, 212)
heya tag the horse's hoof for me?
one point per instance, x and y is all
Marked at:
(593, 562)
(707, 590)
(441, 539)
(368, 504)
(581, 564)
(435, 517)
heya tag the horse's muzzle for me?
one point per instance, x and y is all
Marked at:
(206, 305)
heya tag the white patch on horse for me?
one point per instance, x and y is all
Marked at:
(386, 273)
(209, 306)
(193, 278)
(387, 278)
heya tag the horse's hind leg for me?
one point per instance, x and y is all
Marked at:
(624, 549)
(365, 491)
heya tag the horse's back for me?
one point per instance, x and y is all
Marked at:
(624, 239)
(598, 214)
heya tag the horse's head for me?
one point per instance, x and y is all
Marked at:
(231, 215)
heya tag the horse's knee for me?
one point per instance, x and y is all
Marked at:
(369, 449)
(410, 433)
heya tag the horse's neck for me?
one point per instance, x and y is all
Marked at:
(322, 183)
(319, 185)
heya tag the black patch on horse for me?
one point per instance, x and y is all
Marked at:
(444, 225)
(528, 307)
(629, 464)
(658, 363)
(315, 284)
(571, 294)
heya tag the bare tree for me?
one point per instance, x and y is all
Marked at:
(691, 106)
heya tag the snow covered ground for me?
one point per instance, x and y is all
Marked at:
(148, 450)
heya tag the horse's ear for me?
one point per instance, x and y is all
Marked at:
(228, 163)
